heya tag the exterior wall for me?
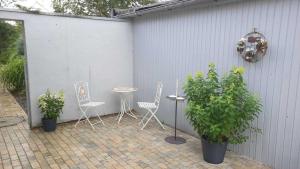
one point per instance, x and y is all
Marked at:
(63, 50)
(173, 44)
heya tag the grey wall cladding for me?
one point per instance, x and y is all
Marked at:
(173, 44)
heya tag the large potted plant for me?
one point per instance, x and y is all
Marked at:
(51, 105)
(220, 110)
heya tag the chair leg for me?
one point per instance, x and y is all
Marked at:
(78, 121)
(159, 122)
(87, 117)
(118, 116)
(144, 118)
(152, 115)
(90, 122)
(100, 119)
(148, 120)
(131, 114)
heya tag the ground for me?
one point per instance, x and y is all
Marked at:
(109, 146)
(20, 97)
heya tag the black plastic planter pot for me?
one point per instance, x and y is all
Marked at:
(49, 124)
(213, 152)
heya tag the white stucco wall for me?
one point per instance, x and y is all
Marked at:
(62, 50)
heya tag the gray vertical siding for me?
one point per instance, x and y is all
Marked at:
(173, 44)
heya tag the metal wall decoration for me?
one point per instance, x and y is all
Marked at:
(253, 46)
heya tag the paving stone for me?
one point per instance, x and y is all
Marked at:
(122, 146)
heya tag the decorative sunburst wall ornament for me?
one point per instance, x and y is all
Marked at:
(253, 46)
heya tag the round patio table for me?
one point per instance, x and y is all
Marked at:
(175, 139)
(125, 93)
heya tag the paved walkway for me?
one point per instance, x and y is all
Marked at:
(111, 146)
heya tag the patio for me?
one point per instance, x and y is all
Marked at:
(111, 146)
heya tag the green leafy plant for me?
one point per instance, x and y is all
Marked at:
(51, 104)
(12, 74)
(10, 34)
(221, 110)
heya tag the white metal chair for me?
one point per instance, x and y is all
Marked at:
(151, 107)
(85, 103)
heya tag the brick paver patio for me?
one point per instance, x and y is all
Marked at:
(110, 146)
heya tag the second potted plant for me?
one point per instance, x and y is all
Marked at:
(220, 110)
(51, 105)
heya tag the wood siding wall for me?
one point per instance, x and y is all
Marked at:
(173, 44)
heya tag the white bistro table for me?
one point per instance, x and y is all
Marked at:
(125, 93)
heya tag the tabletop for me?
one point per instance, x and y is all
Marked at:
(124, 89)
(174, 97)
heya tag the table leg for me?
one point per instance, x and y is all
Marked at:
(123, 109)
(119, 114)
(175, 118)
(128, 110)
(174, 139)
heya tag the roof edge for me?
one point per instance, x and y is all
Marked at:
(61, 15)
(164, 6)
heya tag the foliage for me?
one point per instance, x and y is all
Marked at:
(12, 63)
(9, 35)
(221, 109)
(20, 46)
(12, 74)
(5, 3)
(51, 104)
(95, 7)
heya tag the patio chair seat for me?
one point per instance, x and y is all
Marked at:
(147, 105)
(92, 104)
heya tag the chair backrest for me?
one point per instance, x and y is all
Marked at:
(158, 93)
(82, 92)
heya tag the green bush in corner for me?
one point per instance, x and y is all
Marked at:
(220, 110)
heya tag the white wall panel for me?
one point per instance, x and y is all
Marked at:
(63, 50)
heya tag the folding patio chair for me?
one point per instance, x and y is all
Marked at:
(151, 107)
(85, 103)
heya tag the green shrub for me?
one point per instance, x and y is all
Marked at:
(9, 34)
(51, 104)
(221, 109)
(12, 74)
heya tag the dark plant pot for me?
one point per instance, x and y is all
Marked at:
(49, 124)
(213, 152)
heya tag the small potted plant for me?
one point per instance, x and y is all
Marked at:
(51, 105)
(220, 110)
